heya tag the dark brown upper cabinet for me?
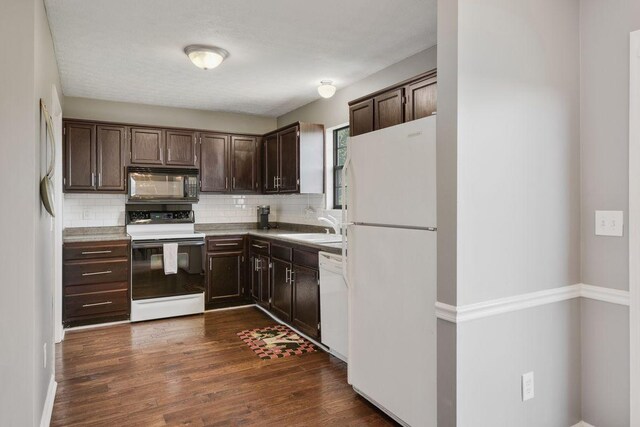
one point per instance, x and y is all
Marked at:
(422, 99)
(147, 146)
(388, 109)
(270, 162)
(80, 156)
(180, 148)
(228, 163)
(293, 159)
(361, 117)
(110, 159)
(411, 99)
(244, 164)
(289, 156)
(214, 170)
(94, 157)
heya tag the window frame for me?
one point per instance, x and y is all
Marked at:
(336, 168)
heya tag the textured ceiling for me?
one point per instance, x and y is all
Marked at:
(132, 51)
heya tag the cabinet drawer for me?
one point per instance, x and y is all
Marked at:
(282, 252)
(96, 304)
(305, 258)
(114, 249)
(98, 271)
(260, 247)
(74, 290)
(227, 243)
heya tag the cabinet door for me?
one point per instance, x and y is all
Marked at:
(225, 276)
(389, 109)
(271, 172)
(264, 270)
(147, 146)
(281, 287)
(306, 301)
(214, 176)
(181, 148)
(361, 117)
(289, 160)
(244, 164)
(422, 99)
(80, 160)
(255, 277)
(111, 148)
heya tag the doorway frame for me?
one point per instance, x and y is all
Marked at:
(634, 226)
(56, 117)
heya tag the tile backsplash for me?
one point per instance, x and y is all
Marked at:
(96, 210)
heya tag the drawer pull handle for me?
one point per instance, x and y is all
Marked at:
(97, 273)
(259, 247)
(226, 244)
(97, 303)
(95, 252)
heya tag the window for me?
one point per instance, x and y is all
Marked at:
(340, 137)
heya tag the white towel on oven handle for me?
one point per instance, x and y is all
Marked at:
(170, 258)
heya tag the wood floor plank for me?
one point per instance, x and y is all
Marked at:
(195, 371)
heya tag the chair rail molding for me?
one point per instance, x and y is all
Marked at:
(465, 313)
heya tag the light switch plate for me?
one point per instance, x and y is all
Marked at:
(609, 223)
(527, 386)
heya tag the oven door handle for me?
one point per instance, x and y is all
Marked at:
(159, 244)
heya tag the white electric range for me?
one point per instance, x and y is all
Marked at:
(154, 294)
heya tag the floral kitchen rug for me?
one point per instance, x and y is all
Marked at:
(274, 342)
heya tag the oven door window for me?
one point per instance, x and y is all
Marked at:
(147, 272)
(156, 186)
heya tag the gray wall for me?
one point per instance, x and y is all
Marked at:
(26, 255)
(494, 352)
(605, 364)
(508, 136)
(518, 147)
(604, 133)
(92, 109)
(335, 111)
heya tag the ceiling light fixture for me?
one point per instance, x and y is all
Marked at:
(206, 57)
(326, 89)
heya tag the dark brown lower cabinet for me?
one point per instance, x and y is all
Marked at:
(95, 282)
(260, 280)
(226, 276)
(281, 285)
(306, 300)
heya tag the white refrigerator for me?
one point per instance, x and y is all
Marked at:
(390, 247)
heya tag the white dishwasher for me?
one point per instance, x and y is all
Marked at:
(334, 305)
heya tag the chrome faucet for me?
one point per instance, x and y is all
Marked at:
(335, 224)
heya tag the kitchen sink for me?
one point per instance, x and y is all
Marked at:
(314, 237)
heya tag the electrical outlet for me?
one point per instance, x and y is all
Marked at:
(44, 350)
(87, 214)
(527, 386)
(609, 223)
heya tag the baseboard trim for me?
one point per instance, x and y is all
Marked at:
(465, 313)
(582, 424)
(47, 410)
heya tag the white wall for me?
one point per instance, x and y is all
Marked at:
(26, 253)
(604, 136)
(124, 112)
(335, 111)
(508, 118)
(98, 210)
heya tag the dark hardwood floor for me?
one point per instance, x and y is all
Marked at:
(195, 371)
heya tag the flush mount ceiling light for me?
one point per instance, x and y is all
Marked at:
(326, 89)
(206, 57)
